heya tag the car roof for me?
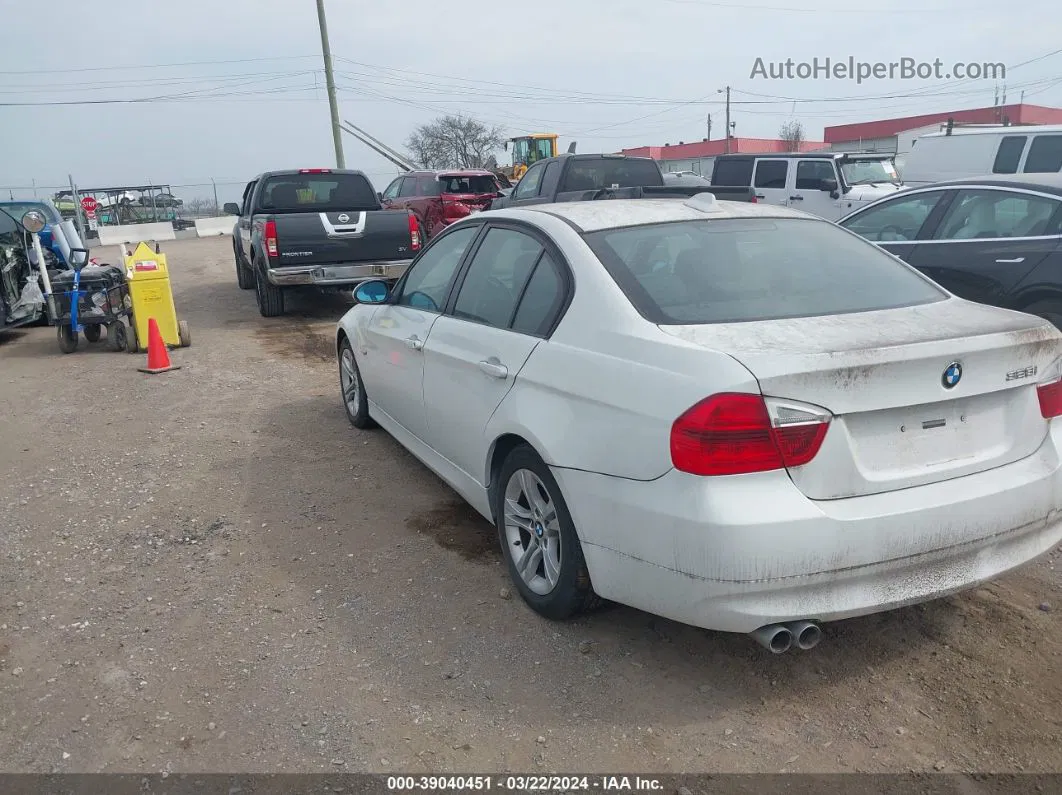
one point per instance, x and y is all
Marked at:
(296, 172)
(592, 216)
(1045, 183)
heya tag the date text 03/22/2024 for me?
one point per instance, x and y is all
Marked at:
(518, 783)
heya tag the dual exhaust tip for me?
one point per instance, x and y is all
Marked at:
(780, 638)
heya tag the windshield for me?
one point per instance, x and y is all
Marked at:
(464, 183)
(732, 271)
(863, 172)
(594, 174)
(318, 193)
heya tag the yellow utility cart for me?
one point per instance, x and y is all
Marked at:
(149, 289)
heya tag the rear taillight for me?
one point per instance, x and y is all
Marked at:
(315, 171)
(271, 238)
(414, 233)
(738, 433)
(1049, 391)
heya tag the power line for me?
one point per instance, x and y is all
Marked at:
(150, 66)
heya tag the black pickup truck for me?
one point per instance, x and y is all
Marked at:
(317, 227)
(575, 177)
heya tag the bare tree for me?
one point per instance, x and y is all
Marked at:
(201, 208)
(792, 132)
(454, 142)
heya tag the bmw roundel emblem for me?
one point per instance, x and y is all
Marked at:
(343, 218)
(952, 375)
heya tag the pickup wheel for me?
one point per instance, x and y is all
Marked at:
(270, 297)
(243, 276)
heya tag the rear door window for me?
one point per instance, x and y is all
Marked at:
(771, 173)
(989, 214)
(496, 277)
(428, 186)
(739, 270)
(1045, 155)
(1009, 154)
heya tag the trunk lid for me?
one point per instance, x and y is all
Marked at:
(882, 375)
(338, 236)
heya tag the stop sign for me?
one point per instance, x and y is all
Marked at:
(89, 205)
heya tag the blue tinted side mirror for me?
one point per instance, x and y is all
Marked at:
(374, 292)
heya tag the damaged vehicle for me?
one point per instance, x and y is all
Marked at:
(22, 300)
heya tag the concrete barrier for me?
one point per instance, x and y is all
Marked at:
(212, 227)
(134, 233)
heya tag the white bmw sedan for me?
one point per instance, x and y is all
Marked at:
(736, 416)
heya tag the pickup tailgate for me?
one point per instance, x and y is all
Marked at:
(339, 237)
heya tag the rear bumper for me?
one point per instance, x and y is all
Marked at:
(335, 275)
(736, 553)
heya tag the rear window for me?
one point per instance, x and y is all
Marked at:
(467, 184)
(317, 193)
(611, 172)
(1045, 155)
(733, 173)
(738, 270)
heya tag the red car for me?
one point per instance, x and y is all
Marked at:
(438, 198)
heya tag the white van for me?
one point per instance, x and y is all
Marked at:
(976, 151)
(827, 184)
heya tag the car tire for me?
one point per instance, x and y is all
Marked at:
(352, 389)
(566, 591)
(244, 277)
(270, 297)
(1050, 311)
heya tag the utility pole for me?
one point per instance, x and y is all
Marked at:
(726, 145)
(217, 207)
(330, 83)
(709, 126)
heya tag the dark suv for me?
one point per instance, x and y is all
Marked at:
(438, 198)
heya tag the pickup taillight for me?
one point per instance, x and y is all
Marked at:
(414, 233)
(271, 239)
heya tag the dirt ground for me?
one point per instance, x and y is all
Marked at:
(210, 570)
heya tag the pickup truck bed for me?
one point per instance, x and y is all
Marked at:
(320, 228)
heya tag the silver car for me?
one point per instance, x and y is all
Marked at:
(737, 416)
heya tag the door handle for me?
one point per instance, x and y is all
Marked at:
(414, 342)
(494, 368)
(796, 198)
(1016, 259)
(760, 196)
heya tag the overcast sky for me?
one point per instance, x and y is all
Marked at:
(609, 75)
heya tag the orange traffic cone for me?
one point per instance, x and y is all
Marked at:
(158, 355)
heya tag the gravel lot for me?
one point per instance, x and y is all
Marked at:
(210, 570)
